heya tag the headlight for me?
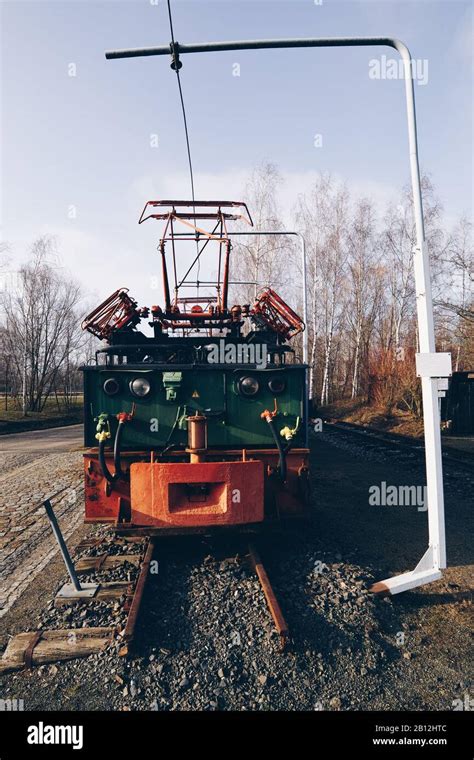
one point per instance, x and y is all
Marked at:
(111, 386)
(277, 385)
(248, 386)
(140, 387)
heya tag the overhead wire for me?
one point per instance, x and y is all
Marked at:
(176, 66)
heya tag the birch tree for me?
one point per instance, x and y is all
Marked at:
(323, 219)
(365, 285)
(262, 260)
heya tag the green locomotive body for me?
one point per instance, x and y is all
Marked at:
(204, 424)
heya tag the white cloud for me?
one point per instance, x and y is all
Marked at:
(230, 185)
(106, 260)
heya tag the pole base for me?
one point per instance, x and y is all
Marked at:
(68, 591)
(426, 571)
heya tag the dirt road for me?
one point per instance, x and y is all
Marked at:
(67, 438)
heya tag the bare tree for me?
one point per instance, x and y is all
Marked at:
(323, 218)
(457, 298)
(263, 259)
(365, 284)
(313, 215)
(41, 329)
(398, 239)
(362, 305)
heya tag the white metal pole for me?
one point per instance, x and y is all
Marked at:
(435, 556)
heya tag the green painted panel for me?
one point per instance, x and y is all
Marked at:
(159, 419)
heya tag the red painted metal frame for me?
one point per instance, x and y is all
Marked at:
(172, 314)
(196, 204)
(277, 315)
(118, 310)
(113, 503)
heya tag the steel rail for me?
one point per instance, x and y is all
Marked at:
(129, 631)
(272, 601)
(398, 440)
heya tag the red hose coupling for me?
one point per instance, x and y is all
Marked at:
(268, 415)
(124, 416)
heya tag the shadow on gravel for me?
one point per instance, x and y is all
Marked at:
(417, 600)
(326, 601)
(164, 618)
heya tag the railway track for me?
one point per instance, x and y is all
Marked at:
(396, 442)
(252, 556)
(203, 638)
(120, 566)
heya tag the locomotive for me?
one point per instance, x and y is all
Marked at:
(203, 423)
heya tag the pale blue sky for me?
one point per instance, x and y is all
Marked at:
(84, 141)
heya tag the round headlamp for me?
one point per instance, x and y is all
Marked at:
(140, 387)
(248, 386)
(111, 386)
(277, 385)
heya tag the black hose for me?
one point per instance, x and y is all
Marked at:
(282, 453)
(173, 428)
(103, 464)
(170, 447)
(119, 473)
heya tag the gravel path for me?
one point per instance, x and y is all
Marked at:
(25, 535)
(65, 438)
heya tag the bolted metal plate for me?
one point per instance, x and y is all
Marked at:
(88, 591)
(194, 494)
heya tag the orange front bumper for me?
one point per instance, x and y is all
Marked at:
(243, 489)
(201, 494)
